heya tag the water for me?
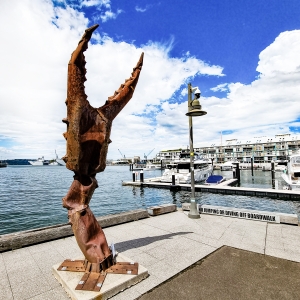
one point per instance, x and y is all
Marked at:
(30, 197)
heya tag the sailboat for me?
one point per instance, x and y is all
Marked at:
(57, 161)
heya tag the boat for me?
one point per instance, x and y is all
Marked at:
(228, 165)
(60, 162)
(57, 161)
(181, 169)
(292, 174)
(152, 167)
(3, 164)
(122, 162)
(39, 162)
(281, 165)
(214, 179)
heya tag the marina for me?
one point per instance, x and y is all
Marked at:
(45, 186)
(223, 188)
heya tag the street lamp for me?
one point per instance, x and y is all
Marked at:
(194, 110)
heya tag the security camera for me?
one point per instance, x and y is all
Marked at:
(197, 93)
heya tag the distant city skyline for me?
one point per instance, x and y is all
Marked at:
(243, 56)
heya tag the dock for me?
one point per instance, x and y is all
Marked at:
(263, 258)
(227, 187)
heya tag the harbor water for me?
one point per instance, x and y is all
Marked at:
(30, 197)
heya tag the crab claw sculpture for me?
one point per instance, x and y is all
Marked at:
(87, 135)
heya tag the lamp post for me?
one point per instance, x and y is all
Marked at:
(194, 110)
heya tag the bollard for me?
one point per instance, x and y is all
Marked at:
(173, 179)
(238, 173)
(273, 174)
(252, 165)
(142, 176)
(133, 176)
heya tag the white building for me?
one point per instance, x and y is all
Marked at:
(261, 149)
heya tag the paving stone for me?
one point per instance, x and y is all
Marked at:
(147, 284)
(30, 287)
(6, 293)
(129, 294)
(41, 248)
(162, 270)
(31, 271)
(55, 294)
(274, 244)
(45, 261)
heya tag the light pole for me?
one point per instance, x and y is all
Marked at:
(194, 110)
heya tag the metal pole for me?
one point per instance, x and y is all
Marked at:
(273, 174)
(142, 176)
(173, 179)
(238, 174)
(193, 214)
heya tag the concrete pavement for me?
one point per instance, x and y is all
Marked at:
(165, 245)
(232, 274)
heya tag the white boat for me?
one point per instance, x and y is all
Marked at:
(292, 175)
(122, 161)
(181, 169)
(228, 165)
(60, 162)
(39, 162)
(281, 165)
(152, 167)
(57, 161)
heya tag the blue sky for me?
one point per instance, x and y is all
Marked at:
(243, 55)
(230, 34)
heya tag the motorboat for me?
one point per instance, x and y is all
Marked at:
(122, 162)
(281, 165)
(228, 165)
(152, 167)
(180, 167)
(3, 164)
(214, 179)
(149, 167)
(292, 174)
(39, 162)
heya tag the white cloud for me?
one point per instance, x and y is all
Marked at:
(89, 3)
(140, 9)
(110, 15)
(34, 57)
(282, 56)
(220, 87)
(34, 62)
(184, 92)
(267, 106)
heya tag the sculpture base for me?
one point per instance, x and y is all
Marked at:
(113, 283)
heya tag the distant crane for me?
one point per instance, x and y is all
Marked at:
(145, 156)
(121, 154)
